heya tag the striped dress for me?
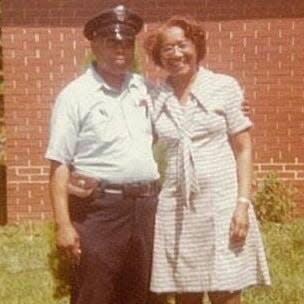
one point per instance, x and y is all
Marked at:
(192, 250)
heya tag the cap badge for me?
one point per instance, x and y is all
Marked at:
(120, 12)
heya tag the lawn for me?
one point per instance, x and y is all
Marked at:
(26, 259)
(285, 252)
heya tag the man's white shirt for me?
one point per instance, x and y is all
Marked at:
(102, 132)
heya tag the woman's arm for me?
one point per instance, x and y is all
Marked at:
(241, 144)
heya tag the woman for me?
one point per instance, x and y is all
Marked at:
(206, 235)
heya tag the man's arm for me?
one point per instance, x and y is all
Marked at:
(66, 236)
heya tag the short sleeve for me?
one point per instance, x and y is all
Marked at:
(236, 120)
(63, 130)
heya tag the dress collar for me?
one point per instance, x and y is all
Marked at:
(199, 90)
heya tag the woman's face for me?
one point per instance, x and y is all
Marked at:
(178, 54)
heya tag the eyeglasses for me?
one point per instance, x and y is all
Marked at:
(170, 49)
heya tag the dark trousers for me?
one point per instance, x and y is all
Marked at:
(116, 237)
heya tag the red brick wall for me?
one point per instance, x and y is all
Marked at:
(260, 43)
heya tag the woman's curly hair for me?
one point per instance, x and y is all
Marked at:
(192, 29)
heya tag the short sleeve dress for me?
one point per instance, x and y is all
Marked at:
(192, 250)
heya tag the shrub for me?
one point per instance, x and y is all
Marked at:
(274, 200)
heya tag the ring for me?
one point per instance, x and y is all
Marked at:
(81, 182)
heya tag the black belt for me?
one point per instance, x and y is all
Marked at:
(137, 189)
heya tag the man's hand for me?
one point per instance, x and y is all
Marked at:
(80, 185)
(68, 241)
(78, 190)
(239, 223)
(245, 108)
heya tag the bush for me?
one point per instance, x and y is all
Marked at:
(274, 200)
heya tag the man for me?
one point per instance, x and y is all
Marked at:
(101, 128)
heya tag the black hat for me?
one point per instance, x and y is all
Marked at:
(118, 22)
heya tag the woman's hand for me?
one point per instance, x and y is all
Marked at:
(239, 223)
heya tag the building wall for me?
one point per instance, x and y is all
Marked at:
(261, 43)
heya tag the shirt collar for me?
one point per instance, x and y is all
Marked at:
(96, 82)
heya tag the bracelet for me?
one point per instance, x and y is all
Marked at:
(243, 200)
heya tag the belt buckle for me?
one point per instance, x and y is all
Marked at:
(112, 191)
(105, 189)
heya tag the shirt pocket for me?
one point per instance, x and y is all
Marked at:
(106, 126)
(142, 120)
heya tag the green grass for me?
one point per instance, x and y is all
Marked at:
(25, 270)
(26, 263)
(285, 252)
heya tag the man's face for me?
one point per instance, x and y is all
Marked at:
(112, 55)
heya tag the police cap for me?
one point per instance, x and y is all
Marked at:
(118, 22)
